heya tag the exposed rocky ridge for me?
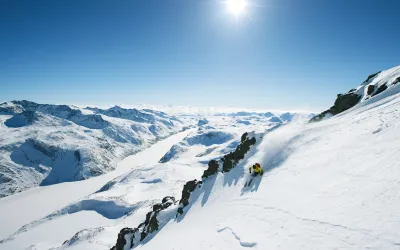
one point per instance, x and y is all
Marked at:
(231, 160)
(396, 81)
(371, 77)
(212, 169)
(343, 102)
(130, 237)
(372, 87)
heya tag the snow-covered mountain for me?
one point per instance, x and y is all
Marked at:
(132, 187)
(44, 144)
(327, 185)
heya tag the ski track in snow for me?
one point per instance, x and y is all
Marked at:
(237, 237)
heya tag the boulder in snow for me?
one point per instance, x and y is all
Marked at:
(212, 169)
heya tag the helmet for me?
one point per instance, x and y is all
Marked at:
(258, 165)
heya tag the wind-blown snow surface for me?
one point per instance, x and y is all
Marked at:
(48, 144)
(33, 206)
(330, 185)
(327, 185)
(121, 197)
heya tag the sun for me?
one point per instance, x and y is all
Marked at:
(236, 7)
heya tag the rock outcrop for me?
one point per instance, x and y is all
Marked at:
(343, 102)
(128, 236)
(381, 88)
(211, 170)
(188, 188)
(371, 77)
(230, 160)
(370, 89)
(125, 238)
(396, 81)
(374, 85)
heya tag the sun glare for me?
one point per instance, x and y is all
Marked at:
(236, 7)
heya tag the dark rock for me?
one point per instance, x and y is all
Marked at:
(351, 90)
(230, 160)
(147, 227)
(342, 103)
(244, 137)
(143, 235)
(151, 222)
(121, 241)
(212, 169)
(370, 89)
(370, 77)
(382, 88)
(157, 207)
(188, 188)
(168, 199)
(396, 81)
(166, 202)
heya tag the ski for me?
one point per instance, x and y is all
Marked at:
(247, 183)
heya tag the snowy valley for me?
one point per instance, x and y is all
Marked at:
(127, 178)
(50, 144)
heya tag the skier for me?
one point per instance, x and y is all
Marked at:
(257, 169)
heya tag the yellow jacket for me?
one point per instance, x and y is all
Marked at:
(256, 168)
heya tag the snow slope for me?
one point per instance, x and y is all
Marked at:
(117, 198)
(32, 205)
(331, 185)
(44, 144)
(327, 185)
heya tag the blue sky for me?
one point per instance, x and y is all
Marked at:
(282, 54)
